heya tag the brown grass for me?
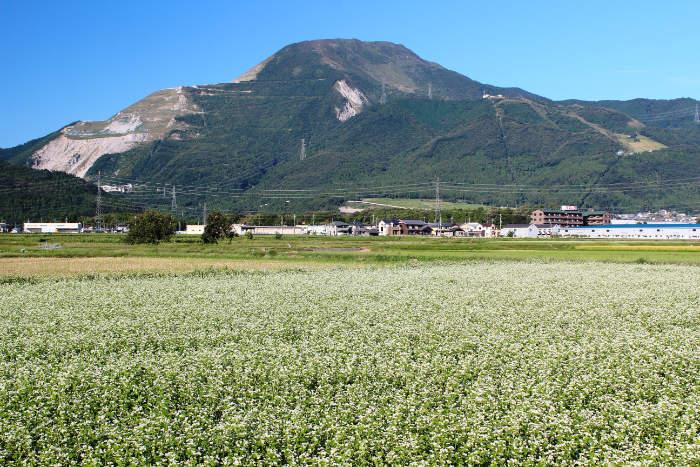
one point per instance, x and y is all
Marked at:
(60, 266)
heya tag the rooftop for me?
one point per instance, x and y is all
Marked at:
(636, 226)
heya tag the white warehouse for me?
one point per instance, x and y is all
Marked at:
(635, 231)
(53, 227)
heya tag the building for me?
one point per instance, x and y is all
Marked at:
(635, 231)
(357, 228)
(491, 230)
(596, 218)
(519, 231)
(313, 229)
(570, 217)
(530, 230)
(547, 230)
(3, 227)
(194, 229)
(389, 227)
(242, 229)
(53, 227)
(338, 228)
(557, 216)
(446, 229)
(414, 227)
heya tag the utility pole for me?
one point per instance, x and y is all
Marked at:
(438, 213)
(173, 203)
(500, 221)
(302, 154)
(98, 207)
(204, 214)
(382, 100)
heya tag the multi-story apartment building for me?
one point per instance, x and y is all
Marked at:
(558, 217)
(571, 218)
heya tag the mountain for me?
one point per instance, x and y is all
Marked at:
(27, 194)
(321, 122)
(667, 113)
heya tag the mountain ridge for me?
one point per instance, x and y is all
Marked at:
(371, 112)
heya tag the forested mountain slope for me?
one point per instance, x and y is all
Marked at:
(373, 118)
(42, 195)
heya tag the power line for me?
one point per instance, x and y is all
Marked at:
(173, 203)
(98, 202)
(438, 212)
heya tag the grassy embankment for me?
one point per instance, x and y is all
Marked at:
(108, 253)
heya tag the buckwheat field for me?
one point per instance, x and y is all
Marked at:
(445, 363)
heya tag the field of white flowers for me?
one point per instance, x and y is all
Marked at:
(443, 363)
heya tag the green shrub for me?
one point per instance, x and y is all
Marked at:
(151, 227)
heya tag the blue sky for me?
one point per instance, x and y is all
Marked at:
(67, 61)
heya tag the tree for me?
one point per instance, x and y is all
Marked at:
(218, 226)
(150, 227)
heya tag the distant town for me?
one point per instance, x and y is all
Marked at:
(568, 221)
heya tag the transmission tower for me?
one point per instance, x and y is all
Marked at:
(438, 212)
(430, 90)
(302, 154)
(697, 114)
(382, 100)
(98, 208)
(204, 214)
(173, 203)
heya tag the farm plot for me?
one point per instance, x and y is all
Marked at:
(441, 363)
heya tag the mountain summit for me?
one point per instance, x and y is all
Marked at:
(371, 65)
(325, 114)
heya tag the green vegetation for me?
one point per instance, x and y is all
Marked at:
(296, 251)
(440, 364)
(409, 203)
(667, 113)
(35, 195)
(151, 227)
(218, 226)
(640, 143)
(247, 140)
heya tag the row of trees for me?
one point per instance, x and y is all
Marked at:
(154, 227)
